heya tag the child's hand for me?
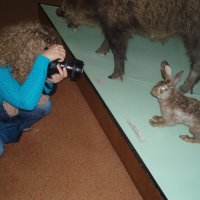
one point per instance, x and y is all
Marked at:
(58, 77)
(55, 52)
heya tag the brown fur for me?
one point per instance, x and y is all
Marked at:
(158, 19)
(21, 43)
(176, 108)
(119, 19)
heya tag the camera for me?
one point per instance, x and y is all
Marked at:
(74, 68)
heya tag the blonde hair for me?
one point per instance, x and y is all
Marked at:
(20, 44)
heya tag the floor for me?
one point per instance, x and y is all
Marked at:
(66, 156)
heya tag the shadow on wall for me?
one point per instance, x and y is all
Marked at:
(13, 11)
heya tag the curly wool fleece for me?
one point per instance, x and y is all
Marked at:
(20, 44)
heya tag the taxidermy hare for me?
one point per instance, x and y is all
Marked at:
(176, 108)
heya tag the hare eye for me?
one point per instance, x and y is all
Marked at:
(163, 88)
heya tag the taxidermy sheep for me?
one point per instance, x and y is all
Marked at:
(176, 108)
(119, 19)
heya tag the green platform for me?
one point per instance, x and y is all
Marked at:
(173, 163)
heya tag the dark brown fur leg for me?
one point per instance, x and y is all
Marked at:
(60, 12)
(193, 49)
(118, 44)
(104, 48)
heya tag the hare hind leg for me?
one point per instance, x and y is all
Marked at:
(157, 121)
(195, 138)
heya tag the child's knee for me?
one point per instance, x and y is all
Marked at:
(45, 108)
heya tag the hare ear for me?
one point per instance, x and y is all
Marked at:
(165, 70)
(176, 78)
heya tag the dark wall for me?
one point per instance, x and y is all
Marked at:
(12, 11)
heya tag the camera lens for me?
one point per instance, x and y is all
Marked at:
(74, 68)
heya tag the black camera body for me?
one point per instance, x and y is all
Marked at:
(74, 68)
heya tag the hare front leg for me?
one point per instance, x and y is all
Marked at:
(192, 139)
(157, 121)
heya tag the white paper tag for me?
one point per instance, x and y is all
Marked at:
(136, 130)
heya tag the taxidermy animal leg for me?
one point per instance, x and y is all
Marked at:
(192, 78)
(117, 40)
(193, 139)
(193, 49)
(157, 121)
(104, 48)
(60, 12)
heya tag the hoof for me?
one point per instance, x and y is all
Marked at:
(60, 12)
(101, 51)
(113, 76)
